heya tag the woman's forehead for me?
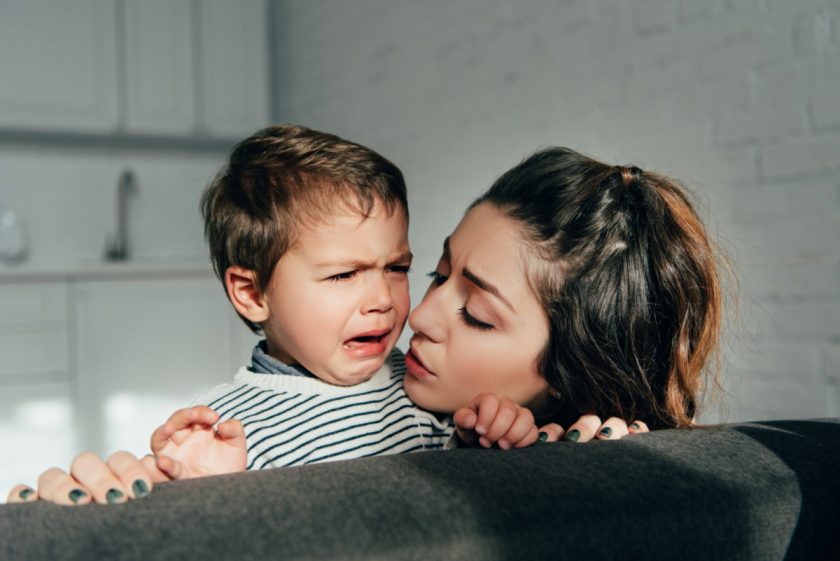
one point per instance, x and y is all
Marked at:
(489, 246)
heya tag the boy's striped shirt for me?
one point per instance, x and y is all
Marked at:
(296, 420)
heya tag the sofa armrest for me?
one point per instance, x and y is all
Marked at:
(759, 490)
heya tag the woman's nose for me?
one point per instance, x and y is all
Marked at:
(378, 296)
(428, 317)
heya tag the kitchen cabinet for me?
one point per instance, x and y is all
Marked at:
(58, 66)
(159, 67)
(186, 69)
(33, 331)
(235, 67)
(96, 358)
(146, 348)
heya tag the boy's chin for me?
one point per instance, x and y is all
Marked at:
(359, 374)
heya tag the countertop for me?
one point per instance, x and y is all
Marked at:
(102, 270)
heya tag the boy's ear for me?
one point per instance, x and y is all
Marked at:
(245, 295)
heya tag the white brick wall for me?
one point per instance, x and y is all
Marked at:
(739, 98)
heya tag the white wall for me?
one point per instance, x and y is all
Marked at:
(739, 98)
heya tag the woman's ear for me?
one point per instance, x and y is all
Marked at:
(245, 294)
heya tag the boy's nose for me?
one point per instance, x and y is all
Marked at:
(378, 296)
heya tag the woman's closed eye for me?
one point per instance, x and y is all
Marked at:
(473, 322)
(437, 278)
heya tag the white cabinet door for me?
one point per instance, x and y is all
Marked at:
(235, 67)
(58, 65)
(159, 67)
(144, 349)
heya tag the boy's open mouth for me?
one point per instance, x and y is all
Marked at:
(372, 337)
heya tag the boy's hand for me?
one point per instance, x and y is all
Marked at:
(186, 446)
(491, 419)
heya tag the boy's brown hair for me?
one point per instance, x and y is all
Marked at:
(284, 177)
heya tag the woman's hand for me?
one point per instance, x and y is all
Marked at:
(590, 426)
(187, 446)
(491, 419)
(119, 478)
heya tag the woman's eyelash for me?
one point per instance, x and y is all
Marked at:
(472, 322)
(437, 278)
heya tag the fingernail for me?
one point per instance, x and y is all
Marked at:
(606, 431)
(572, 435)
(503, 444)
(140, 489)
(25, 493)
(635, 425)
(76, 495)
(480, 429)
(542, 437)
(113, 496)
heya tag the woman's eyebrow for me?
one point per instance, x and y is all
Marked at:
(486, 286)
(475, 279)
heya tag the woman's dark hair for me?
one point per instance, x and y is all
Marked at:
(627, 276)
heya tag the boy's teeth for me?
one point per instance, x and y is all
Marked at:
(361, 340)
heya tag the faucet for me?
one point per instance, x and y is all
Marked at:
(117, 248)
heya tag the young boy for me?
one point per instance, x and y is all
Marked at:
(309, 236)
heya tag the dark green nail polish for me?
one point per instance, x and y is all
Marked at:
(606, 431)
(25, 494)
(76, 495)
(635, 425)
(573, 435)
(543, 436)
(140, 489)
(113, 496)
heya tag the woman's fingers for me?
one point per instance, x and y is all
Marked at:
(584, 429)
(89, 470)
(637, 427)
(56, 486)
(613, 429)
(553, 432)
(129, 470)
(22, 494)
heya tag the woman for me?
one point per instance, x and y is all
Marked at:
(571, 286)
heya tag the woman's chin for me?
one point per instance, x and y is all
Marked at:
(423, 397)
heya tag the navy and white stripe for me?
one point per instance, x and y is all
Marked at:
(295, 420)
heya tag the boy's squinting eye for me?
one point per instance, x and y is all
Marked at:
(342, 276)
(472, 322)
(401, 269)
(437, 278)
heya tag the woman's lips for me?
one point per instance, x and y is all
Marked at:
(415, 367)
